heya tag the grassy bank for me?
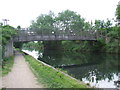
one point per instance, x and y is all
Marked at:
(7, 65)
(51, 78)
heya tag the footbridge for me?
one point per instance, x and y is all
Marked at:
(24, 35)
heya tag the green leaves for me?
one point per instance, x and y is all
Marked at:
(7, 33)
(118, 12)
(101, 24)
(114, 33)
(69, 20)
(64, 22)
(43, 24)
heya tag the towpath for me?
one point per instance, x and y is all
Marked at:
(21, 75)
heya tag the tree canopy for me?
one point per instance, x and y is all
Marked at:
(43, 24)
(69, 20)
(118, 11)
(65, 22)
(7, 32)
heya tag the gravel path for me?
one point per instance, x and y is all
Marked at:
(21, 76)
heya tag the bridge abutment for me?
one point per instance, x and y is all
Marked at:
(9, 49)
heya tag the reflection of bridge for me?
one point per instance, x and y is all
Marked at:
(32, 35)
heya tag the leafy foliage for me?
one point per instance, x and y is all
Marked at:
(118, 12)
(7, 33)
(66, 22)
(101, 24)
(7, 65)
(33, 46)
(114, 33)
(70, 21)
(43, 24)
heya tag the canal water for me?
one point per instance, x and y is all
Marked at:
(97, 69)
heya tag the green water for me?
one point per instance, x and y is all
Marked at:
(97, 69)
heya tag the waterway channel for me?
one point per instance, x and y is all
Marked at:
(97, 69)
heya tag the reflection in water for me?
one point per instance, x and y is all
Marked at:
(98, 69)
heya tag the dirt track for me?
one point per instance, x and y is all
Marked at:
(21, 76)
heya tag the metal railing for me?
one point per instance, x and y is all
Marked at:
(26, 34)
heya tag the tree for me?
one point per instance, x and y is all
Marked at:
(44, 24)
(68, 21)
(118, 11)
(18, 27)
(7, 33)
(101, 24)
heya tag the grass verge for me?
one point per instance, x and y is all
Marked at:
(51, 78)
(7, 65)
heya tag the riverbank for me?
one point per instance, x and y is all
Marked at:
(51, 77)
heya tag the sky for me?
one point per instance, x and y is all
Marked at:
(22, 12)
